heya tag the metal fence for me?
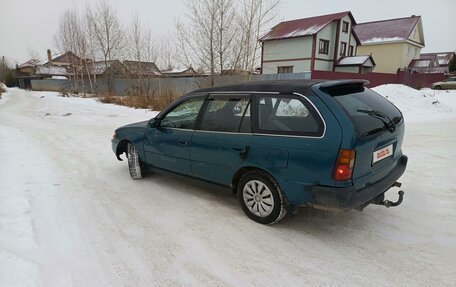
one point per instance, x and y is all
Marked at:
(123, 87)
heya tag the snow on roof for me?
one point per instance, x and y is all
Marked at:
(51, 70)
(29, 63)
(386, 30)
(98, 68)
(355, 60)
(302, 27)
(382, 40)
(176, 71)
(443, 58)
(421, 63)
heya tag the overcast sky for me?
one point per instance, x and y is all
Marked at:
(31, 24)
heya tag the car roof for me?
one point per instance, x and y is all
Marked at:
(281, 86)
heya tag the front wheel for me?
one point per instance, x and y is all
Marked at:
(134, 163)
(260, 197)
(437, 88)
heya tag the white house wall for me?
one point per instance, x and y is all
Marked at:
(417, 34)
(353, 43)
(328, 33)
(298, 66)
(323, 65)
(288, 52)
(344, 37)
(287, 49)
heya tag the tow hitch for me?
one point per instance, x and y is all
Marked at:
(380, 200)
(388, 203)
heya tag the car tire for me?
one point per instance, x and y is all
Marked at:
(437, 88)
(260, 197)
(134, 163)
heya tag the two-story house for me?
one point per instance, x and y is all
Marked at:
(393, 43)
(325, 43)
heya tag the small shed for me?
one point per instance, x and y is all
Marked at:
(355, 64)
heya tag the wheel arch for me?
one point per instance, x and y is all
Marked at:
(243, 170)
(122, 148)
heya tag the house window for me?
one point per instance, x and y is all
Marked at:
(345, 26)
(351, 50)
(323, 47)
(285, 70)
(343, 48)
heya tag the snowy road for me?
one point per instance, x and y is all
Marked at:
(71, 216)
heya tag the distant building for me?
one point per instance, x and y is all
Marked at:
(143, 69)
(125, 69)
(179, 72)
(431, 63)
(324, 43)
(67, 59)
(392, 43)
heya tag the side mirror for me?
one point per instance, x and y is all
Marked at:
(153, 123)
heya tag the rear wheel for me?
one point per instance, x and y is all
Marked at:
(260, 197)
(134, 163)
(437, 88)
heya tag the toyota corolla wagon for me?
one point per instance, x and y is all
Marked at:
(333, 145)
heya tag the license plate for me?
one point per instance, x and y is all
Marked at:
(382, 153)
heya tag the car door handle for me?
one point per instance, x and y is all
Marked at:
(182, 142)
(242, 151)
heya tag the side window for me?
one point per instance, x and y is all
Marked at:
(183, 116)
(288, 115)
(227, 115)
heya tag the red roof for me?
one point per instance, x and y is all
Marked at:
(303, 27)
(386, 30)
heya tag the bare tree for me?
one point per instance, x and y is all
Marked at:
(141, 49)
(166, 53)
(33, 54)
(204, 39)
(70, 38)
(217, 38)
(254, 18)
(89, 29)
(225, 33)
(108, 34)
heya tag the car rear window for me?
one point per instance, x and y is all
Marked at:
(367, 110)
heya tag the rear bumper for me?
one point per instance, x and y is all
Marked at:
(346, 198)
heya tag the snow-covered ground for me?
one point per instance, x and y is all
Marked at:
(71, 216)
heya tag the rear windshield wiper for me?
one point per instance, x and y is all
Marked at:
(389, 125)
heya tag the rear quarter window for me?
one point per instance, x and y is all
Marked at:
(287, 115)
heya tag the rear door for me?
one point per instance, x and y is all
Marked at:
(222, 140)
(378, 136)
(291, 142)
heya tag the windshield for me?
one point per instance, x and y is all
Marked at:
(369, 112)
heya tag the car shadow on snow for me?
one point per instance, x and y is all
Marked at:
(306, 219)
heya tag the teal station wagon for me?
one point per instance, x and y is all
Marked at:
(333, 145)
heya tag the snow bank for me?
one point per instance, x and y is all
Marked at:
(420, 105)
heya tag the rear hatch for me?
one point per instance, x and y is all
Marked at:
(379, 129)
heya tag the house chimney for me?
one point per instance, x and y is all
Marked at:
(49, 57)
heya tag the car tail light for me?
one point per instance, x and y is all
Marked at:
(344, 165)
